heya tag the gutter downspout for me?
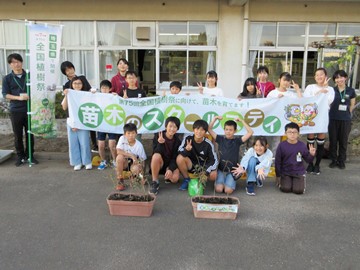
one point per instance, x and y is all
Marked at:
(245, 44)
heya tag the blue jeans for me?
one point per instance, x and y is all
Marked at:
(226, 179)
(79, 147)
(250, 171)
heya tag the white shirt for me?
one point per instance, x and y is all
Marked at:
(213, 91)
(314, 89)
(288, 93)
(136, 149)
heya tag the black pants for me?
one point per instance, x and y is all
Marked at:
(19, 122)
(339, 131)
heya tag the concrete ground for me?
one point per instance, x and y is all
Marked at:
(54, 218)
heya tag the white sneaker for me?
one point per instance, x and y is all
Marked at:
(77, 167)
(88, 166)
(113, 164)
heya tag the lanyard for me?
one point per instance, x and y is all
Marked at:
(342, 95)
(22, 88)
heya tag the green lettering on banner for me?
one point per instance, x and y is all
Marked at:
(232, 115)
(175, 110)
(90, 115)
(272, 124)
(153, 119)
(254, 117)
(209, 116)
(114, 115)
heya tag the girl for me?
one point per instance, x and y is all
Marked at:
(79, 142)
(250, 90)
(285, 82)
(256, 163)
(211, 89)
(340, 119)
(321, 87)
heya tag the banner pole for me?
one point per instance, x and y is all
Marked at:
(28, 92)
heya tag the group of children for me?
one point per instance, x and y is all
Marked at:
(173, 157)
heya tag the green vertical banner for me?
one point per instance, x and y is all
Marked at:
(44, 51)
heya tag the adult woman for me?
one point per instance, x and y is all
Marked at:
(321, 87)
(79, 142)
(340, 119)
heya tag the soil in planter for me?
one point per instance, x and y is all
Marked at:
(215, 200)
(133, 198)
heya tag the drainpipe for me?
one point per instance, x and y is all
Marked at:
(245, 44)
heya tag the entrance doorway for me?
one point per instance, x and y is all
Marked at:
(143, 62)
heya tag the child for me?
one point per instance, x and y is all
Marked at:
(263, 84)
(163, 161)
(321, 87)
(129, 151)
(175, 87)
(229, 147)
(289, 166)
(194, 150)
(105, 87)
(256, 163)
(250, 90)
(211, 89)
(132, 91)
(340, 119)
(68, 69)
(285, 82)
(79, 143)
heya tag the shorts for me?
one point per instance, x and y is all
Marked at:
(102, 136)
(226, 179)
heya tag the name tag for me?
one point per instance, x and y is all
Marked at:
(342, 107)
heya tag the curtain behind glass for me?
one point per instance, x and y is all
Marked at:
(113, 33)
(84, 64)
(78, 34)
(15, 33)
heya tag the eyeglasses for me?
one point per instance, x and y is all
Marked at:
(292, 132)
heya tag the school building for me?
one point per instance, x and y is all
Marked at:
(166, 40)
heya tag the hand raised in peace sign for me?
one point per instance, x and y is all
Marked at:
(188, 145)
(161, 138)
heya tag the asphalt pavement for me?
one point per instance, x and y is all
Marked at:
(52, 217)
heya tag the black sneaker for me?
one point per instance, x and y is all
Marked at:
(310, 168)
(333, 164)
(316, 170)
(20, 161)
(154, 187)
(341, 165)
(95, 149)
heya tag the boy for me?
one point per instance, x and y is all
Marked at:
(229, 147)
(105, 87)
(194, 150)
(289, 167)
(129, 150)
(263, 84)
(165, 146)
(132, 91)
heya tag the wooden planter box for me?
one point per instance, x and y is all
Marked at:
(130, 208)
(214, 210)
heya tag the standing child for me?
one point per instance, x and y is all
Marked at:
(118, 82)
(129, 151)
(196, 149)
(175, 88)
(250, 90)
(321, 87)
(289, 166)
(229, 147)
(263, 84)
(256, 163)
(79, 142)
(105, 87)
(211, 89)
(132, 91)
(163, 161)
(284, 90)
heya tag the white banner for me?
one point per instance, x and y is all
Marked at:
(108, 113)
(44, 44)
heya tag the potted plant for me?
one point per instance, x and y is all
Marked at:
(213, 206)
(138, 202)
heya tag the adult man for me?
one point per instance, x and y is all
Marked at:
(14, 89)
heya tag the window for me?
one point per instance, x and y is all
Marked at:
(348, 29)
(263, 34)
(321, 31)
(107, 58)
(113, 33)
(78, 34)
(172, 34)
(291, 35)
